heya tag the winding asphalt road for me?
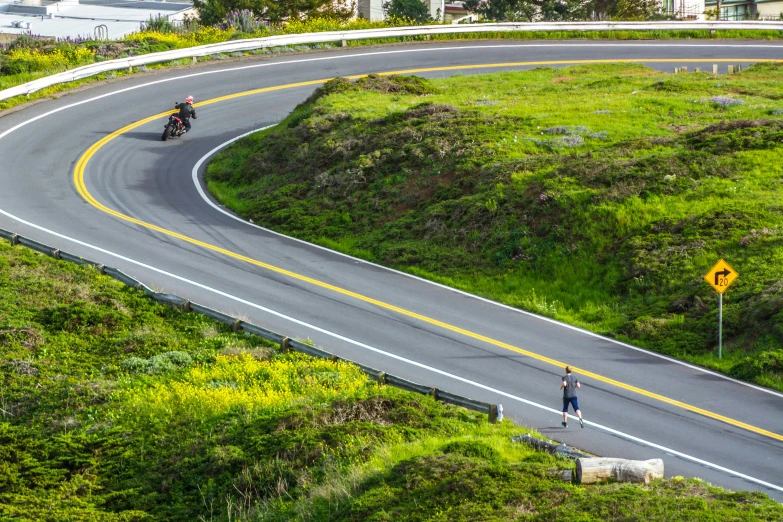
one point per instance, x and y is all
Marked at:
(131, 202)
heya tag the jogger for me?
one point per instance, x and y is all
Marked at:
(569, 385)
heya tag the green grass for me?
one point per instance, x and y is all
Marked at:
(115, 408)
(597, 195)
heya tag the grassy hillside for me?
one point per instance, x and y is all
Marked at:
(598, 195)
(114, 408)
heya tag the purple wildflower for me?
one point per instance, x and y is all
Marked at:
(725, 101)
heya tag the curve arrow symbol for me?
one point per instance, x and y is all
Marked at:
(725, 272)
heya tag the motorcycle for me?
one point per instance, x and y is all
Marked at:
(173, 128)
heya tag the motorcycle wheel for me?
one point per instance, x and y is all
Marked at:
(166, 132)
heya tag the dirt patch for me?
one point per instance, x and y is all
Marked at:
(374, 410)
(396, 84)
(679, 129)
(726, 126)
(433, 110)
(641, 73)
(561, 79)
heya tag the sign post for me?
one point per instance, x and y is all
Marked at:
(720, 326)
(720, 278)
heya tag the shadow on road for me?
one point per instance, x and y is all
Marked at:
(144, 136)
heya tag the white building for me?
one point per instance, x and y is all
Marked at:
(373, 9)
(748, 9)
(105, 19)
(684, 9)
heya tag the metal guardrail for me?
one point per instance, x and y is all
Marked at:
(389, 32)
(493, 411)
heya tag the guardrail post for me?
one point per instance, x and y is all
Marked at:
(684, 69)
(698, 69)
(284, 344)
(493, 413)
(237, 326)
(434, 393)
(343, 43)
(195, 59)
(186, 305)
(382, 378)
(715, 69)
(101, 269)
(14, 240)
(56, 253)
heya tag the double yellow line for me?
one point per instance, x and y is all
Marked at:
(82, 189)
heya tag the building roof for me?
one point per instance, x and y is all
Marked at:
(72, 19)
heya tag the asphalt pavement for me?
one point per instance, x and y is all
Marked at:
(157, 226)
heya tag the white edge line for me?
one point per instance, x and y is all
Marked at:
(205, 197)
(402, 359)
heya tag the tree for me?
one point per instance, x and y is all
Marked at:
(213, 12)
(413, 10)
(503, 10)
(562, 10)
(625, 9)
(527, 10)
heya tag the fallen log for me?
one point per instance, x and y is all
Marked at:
(593, 470)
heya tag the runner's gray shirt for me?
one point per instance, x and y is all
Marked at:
(570, 389)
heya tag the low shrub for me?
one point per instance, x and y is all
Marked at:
(759, 364)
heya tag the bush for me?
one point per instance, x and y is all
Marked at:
(160, 24)
(322, 24)
(756, 365)
(214, 12)
(415, 11)
(244, 21)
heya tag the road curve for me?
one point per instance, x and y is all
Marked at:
(156, 225)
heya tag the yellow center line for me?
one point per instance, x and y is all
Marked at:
(82, 189)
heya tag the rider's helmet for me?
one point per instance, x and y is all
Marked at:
(189, 99)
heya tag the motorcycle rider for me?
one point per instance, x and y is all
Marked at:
(186, 110)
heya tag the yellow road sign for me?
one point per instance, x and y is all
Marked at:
(721, 276)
